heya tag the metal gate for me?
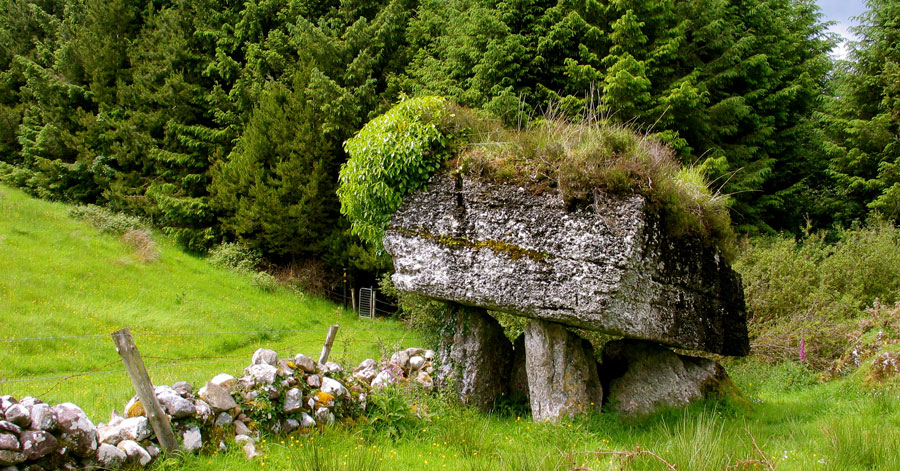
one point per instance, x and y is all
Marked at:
(366, 303)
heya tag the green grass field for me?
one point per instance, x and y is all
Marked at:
(61, 278)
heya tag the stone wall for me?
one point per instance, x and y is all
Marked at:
(273, 395)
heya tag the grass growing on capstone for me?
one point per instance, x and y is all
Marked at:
(61, 277)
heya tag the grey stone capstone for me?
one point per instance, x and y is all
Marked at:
(608, 266)
(562, 372)
(643, 377)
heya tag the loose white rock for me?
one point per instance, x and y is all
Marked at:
(110, 457)
(43, 417)
(134, 452)
(366, 371)
(334, 387)
(416, 363)
(293, 400)
(306, 420)
(225, 380)
(264, 356)
(192, 441)
(261, 373)
(305, 363)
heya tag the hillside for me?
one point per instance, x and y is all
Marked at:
(64, 287)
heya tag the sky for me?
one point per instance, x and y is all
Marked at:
(842, 12)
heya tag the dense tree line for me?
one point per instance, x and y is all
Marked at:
(220, 120)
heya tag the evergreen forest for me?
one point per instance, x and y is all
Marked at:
(221, 121)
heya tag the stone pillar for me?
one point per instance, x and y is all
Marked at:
(562, 372)
(643, 377)
(476, 357)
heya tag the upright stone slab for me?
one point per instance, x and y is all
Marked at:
(608, 265)
(562, 372)
(643, 377)
(476, 357)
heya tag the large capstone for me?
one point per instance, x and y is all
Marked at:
(475, 357)
(562, 372)
(609, 266)
(642, 377)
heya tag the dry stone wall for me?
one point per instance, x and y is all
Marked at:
(274, 395)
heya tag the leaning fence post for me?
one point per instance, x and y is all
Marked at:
(141, 380)
(329, 340)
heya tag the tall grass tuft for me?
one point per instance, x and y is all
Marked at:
(143, 244)
(578, 158)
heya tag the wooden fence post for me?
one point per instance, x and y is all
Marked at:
(141, 380)
(329, 340)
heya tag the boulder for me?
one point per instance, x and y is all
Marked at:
(224, 419)
(331, 368)
(607, 265)
(313, 381)
(643, 377)
(43, 417)
(225, 380)
(217, 397)
(306, 421)
(10, 427)
(264, 356)
(10, 457)
(261, 373)
(183, 388)
(192, 440)
(76, 430)
(240, 428)
(19, 415)
(366, 371)
(37, 444)
(134, 428)
(174, 405)
(293, 400)
(475, 356)
(202, 410)
(5, 401)
(562, 372)
(110, 457)
(9, 441)
(416, 363)
(305, 363)
(334, 387)
(135, 454)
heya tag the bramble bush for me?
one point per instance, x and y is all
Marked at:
(817, 291)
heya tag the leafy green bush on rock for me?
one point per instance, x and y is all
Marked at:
(392, 155)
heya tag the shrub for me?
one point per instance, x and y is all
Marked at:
(816, 291)
(235, 256)
(141, 241)
(393, 154)
(265, 281)
(107, 221)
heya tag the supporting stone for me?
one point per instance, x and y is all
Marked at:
(643, 377)
(475, 358)
(562, 372)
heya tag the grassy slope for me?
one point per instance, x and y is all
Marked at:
(60, 277)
